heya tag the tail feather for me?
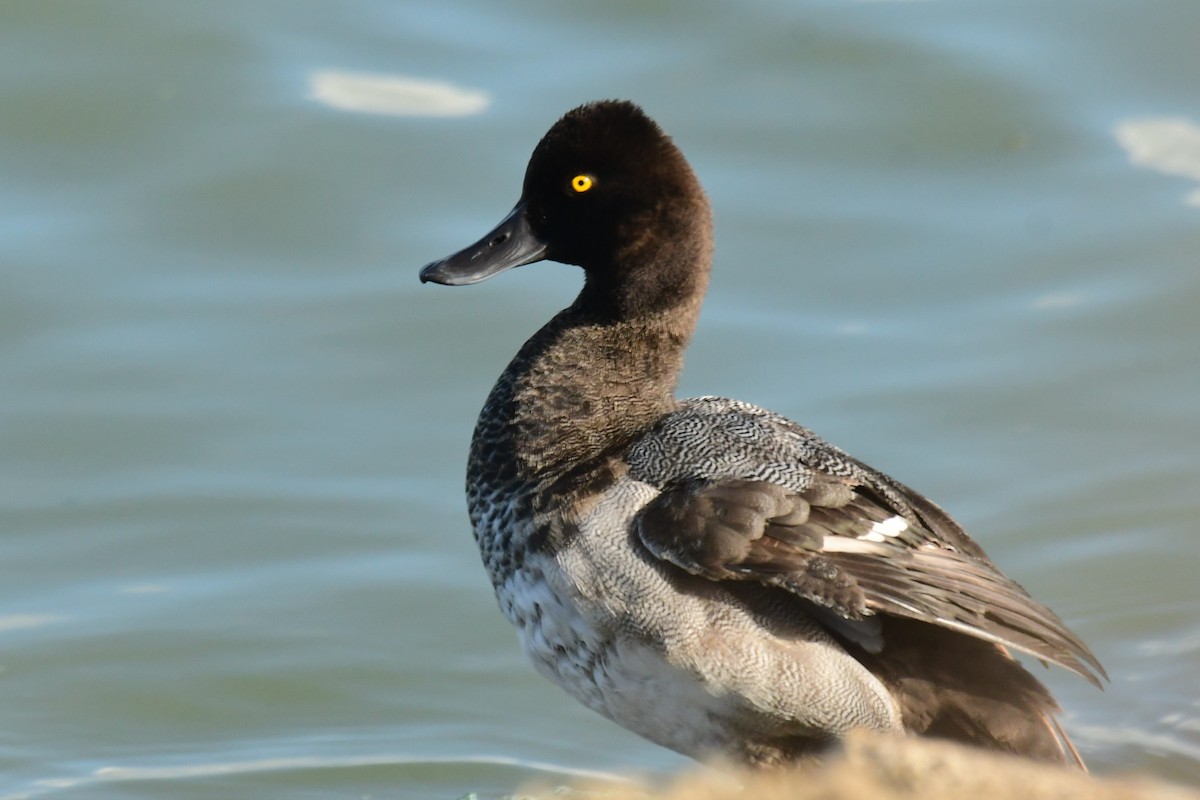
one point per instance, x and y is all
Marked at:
(953, 686)
(1070, 754)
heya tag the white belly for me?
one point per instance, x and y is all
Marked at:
(690, 669)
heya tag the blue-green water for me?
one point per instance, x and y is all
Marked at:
(961, 241)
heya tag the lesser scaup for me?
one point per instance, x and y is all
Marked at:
(704, 572)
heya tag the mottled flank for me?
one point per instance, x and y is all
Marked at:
(704, 572)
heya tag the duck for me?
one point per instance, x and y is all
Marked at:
(704, 572)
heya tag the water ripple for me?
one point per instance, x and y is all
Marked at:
(120, 774)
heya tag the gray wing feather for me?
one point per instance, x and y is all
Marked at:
(749, 495)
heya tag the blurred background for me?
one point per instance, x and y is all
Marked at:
(960, 240)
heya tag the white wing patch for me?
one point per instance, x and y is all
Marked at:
(844, 544)
(887, 529)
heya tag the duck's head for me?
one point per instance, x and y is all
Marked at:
(608, 191)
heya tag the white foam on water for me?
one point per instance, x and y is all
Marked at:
(395, 95)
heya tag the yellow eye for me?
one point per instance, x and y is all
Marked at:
(581, 183)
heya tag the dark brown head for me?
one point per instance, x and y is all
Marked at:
(608, 191)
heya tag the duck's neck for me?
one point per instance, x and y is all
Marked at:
(587, 384)
(578, 389)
